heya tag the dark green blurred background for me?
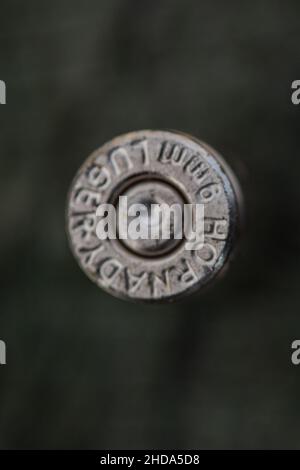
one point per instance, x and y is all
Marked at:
(85, 370)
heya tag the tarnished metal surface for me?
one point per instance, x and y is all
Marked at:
(153, 167)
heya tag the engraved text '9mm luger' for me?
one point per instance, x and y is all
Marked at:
(153, 167)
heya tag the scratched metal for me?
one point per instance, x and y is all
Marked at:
(154, 167)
